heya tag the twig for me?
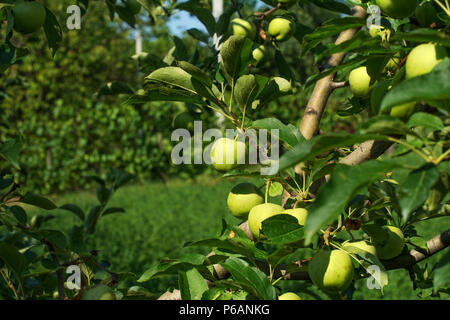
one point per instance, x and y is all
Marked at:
(309, 125)
(59, 271)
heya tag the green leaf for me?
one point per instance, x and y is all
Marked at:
(344, 67)
(421, 88)
(328, 29)
(385, 125)
(252, 280)
(169, 84)
(74, 209)
(199, 35)
(344, 184)
(279, 255)
(309, 149)
(204, 15)
(12, 258)
(283, 66)
(164, 269)
(276, 88)
(19, 214)
(236, 54)
(92, 218)
(287, 133)
(54, 236)
(424, 35)
(10, 151)
(441, 278)
(414, 190)
(38, 201)
(192, 284)
(226, 245)
(282, 229)
(422, 119)
(196, 73)
(113, 210)
(332, 6)
(246, 90)
(53, 31)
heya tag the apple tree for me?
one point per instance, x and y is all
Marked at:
(353, 198)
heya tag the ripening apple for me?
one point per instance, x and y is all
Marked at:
(299, 213)
(423, 58)
(426, 14)
(289, 296)
(133, 6)
(404, 110)
(331, 270)
(259, 54)
(260, 213)
(226, 154)
(360, 246)
(388, 240)
(286, 4)
(28, 16)
(244, 28)
(360, 82)
(397, 9)
(281, 29)
(99, 292)
(242, 198)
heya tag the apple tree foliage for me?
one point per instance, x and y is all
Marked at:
(344, 202)
(406, 185)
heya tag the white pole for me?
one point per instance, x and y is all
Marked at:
(217, 11)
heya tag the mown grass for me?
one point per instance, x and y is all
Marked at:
(160, 219)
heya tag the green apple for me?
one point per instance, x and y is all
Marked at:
(289, 296)
(259, 54)
(397, 9)
(281, 29)
(360, 82)
(260, 213)
(426, 14)
(99, 292)
(299, 213)
(423, 58)
(244, 28)
(331, 270)
(28, 16)
(286, 4)
(388, 240)
(133, 6)
(362, 245)
(242, 198)
(226, 154)
(403, 111)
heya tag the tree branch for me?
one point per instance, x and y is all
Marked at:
(309, 125)
(59, 271)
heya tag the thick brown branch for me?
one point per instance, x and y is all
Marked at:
(309, 125)
(405, 261)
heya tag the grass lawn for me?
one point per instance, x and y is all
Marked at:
(159, 220)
